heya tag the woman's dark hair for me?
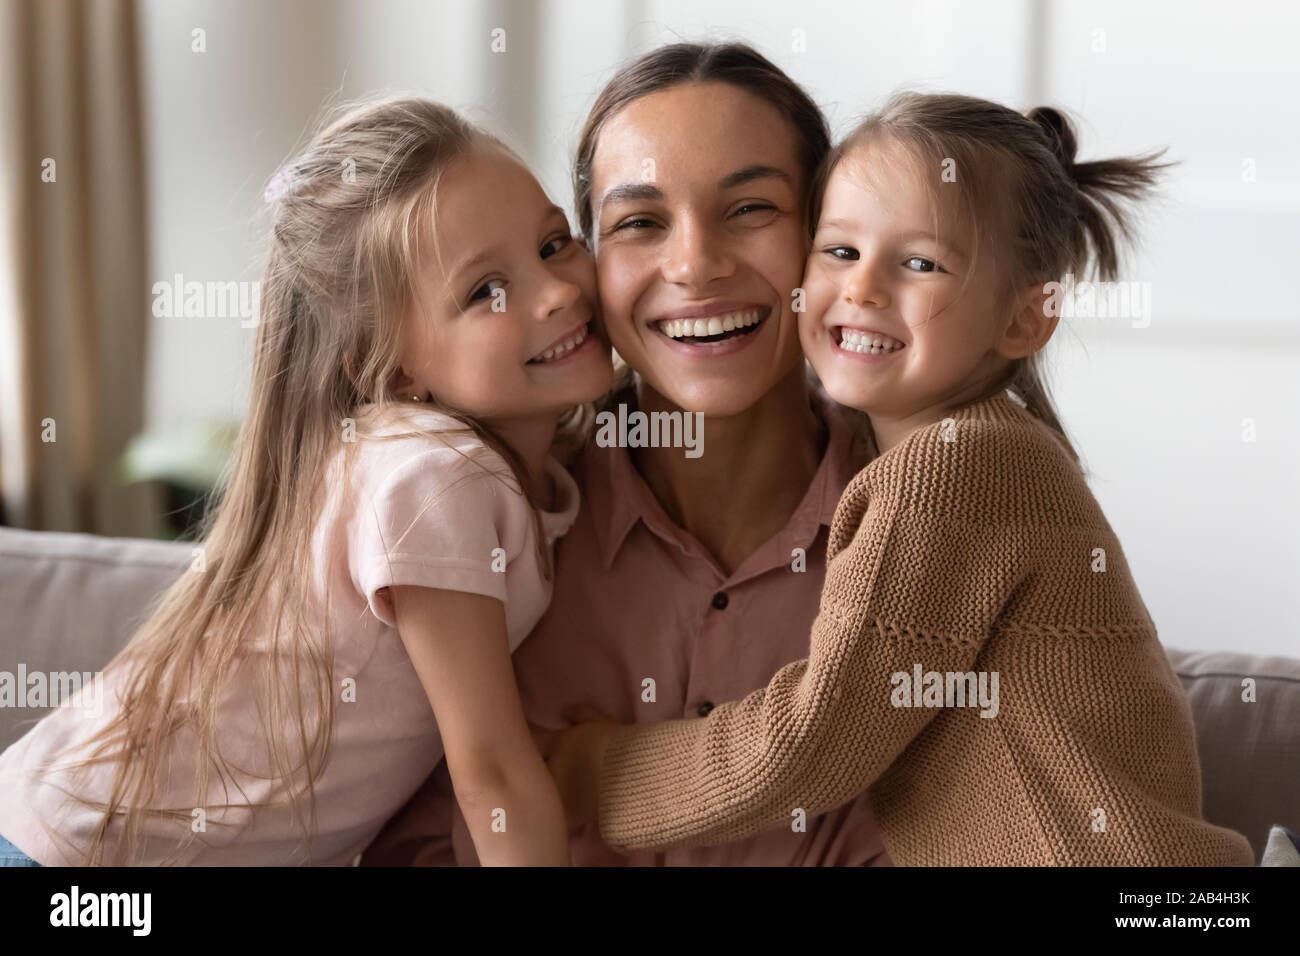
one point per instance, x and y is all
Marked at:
(678, 63)
(1018, 183)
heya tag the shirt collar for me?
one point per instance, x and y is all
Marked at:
(618, 496)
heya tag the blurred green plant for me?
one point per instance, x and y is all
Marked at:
(189, 463)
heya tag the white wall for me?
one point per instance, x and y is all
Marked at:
(1210, 523)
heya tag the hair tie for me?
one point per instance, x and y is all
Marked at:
(1059, 134)
(281, 184)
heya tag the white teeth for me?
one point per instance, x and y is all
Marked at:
(867, 343)
(714, 325)
(563, 349)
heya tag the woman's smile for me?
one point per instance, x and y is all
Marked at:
(711, 331)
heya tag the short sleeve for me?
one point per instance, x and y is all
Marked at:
(431, 524)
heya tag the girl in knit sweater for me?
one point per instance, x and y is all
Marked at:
(982, 660)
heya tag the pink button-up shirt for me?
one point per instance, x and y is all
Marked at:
(644, 626)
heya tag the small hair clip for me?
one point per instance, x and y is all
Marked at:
(280, 184)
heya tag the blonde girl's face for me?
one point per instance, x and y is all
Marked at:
(888, 326)
(503, 327)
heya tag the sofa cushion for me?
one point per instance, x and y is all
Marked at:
(1283, 848)
(1250, 751)
(71, 601)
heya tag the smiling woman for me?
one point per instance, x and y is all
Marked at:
(685, 579)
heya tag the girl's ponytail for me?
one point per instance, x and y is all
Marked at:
(1102, 220)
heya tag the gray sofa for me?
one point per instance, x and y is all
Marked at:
(69, 601)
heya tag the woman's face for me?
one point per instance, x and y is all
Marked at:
(700, 243)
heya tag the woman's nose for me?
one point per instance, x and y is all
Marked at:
(695, 257)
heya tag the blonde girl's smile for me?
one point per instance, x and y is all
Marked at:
(577, 342)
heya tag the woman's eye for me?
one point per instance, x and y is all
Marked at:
(922, 264)
(847, 253)
(753, 207)
(486, 289)
(638, 223)
(555, 246)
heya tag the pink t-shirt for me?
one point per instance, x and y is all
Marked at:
(413, 511)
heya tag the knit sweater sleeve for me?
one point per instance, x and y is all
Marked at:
(918, 570)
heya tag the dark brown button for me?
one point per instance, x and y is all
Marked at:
(705, 707)
(720, 600)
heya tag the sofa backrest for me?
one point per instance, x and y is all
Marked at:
(1247, 714)
(68, 602)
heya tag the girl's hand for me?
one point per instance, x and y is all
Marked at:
(574, 757)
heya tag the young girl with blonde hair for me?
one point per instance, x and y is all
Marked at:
(982, 661)
(383, 544)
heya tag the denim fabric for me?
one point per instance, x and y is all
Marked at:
(10, 855)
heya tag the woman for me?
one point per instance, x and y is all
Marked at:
(690, 580)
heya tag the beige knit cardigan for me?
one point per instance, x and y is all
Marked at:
(972, 548)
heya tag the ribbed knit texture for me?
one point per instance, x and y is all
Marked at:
(974, 554)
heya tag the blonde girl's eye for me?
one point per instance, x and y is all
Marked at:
(485, 290)
(555, 246)
(844, 253)
(922, 264)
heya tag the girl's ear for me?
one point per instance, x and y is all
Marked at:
(1029, 327)
(403, 388)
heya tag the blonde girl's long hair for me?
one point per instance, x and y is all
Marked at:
(345, 246)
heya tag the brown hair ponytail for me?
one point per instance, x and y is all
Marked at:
(1104, 185)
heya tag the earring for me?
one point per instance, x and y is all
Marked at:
(416, 398)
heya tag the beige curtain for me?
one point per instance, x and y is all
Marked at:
(74, 299)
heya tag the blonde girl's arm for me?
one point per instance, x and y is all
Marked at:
(458, 642)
